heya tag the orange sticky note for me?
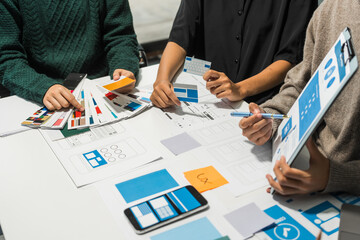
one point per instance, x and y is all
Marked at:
(119, 84)
(204, 179)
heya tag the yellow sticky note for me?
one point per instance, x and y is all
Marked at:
(119, 84)
(204, 179)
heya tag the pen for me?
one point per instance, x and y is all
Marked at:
(264, 115)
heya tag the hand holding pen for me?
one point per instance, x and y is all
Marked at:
(264, 115)
(256, 128)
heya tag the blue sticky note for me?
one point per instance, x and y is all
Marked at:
(146, 185)
(198, 229)
(286, 227)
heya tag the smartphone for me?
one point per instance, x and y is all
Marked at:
(165, 209)
(73, 79)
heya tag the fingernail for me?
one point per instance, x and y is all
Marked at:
(81, 109)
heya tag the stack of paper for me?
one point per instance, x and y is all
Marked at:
(101, 103)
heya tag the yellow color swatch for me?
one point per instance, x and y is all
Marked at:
(119, 84)
(204, 179)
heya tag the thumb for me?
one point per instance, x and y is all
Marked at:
(254, 108)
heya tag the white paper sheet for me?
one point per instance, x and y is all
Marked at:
(242, 163)
(190, 115)
(15, 110)
(101, 152)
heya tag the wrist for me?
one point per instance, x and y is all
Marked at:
(242, 90)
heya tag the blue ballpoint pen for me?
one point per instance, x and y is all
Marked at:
(264, 115)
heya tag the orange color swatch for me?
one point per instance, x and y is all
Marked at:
(204, 179)
(119, 84)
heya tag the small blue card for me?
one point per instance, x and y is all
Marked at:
(196, 66)
(146, 185)
(186, 92)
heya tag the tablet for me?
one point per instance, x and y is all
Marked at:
(330, 77)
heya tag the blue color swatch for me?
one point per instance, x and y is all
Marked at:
(146, 185)
(286, 227)
(198, 229)
(132, 106)
(309, 105)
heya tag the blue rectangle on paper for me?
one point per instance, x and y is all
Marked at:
(286, 227)
(191, 93)
(146, 185)
(195, 230)
(187, 199)
(94, 158)
(285, 131)
(182, 99)
(309, 105)
(180, 90)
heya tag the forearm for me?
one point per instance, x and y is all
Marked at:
(22, 80)
(171, 60)
(270, 77)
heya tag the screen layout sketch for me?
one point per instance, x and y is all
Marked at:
(330, 77)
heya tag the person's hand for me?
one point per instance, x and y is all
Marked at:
(294, 181)
(58, 97)
(122, 72)
(163, 95)
(257, 129)
(222, 87)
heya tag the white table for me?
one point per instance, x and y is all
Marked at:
(39, 200)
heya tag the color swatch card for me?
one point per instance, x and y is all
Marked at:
(204, 179)
(51, 119)
(186, 92)
(122, 105)
(78, 118)
(113, 85)
(38, 118)
(196, 66)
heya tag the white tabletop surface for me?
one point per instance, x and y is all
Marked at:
(39, 201)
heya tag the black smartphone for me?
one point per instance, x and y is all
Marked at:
(167, 208)
(73, 79)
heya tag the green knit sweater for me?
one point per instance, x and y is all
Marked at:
(42, 41)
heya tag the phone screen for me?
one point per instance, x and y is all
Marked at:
(166, 207)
